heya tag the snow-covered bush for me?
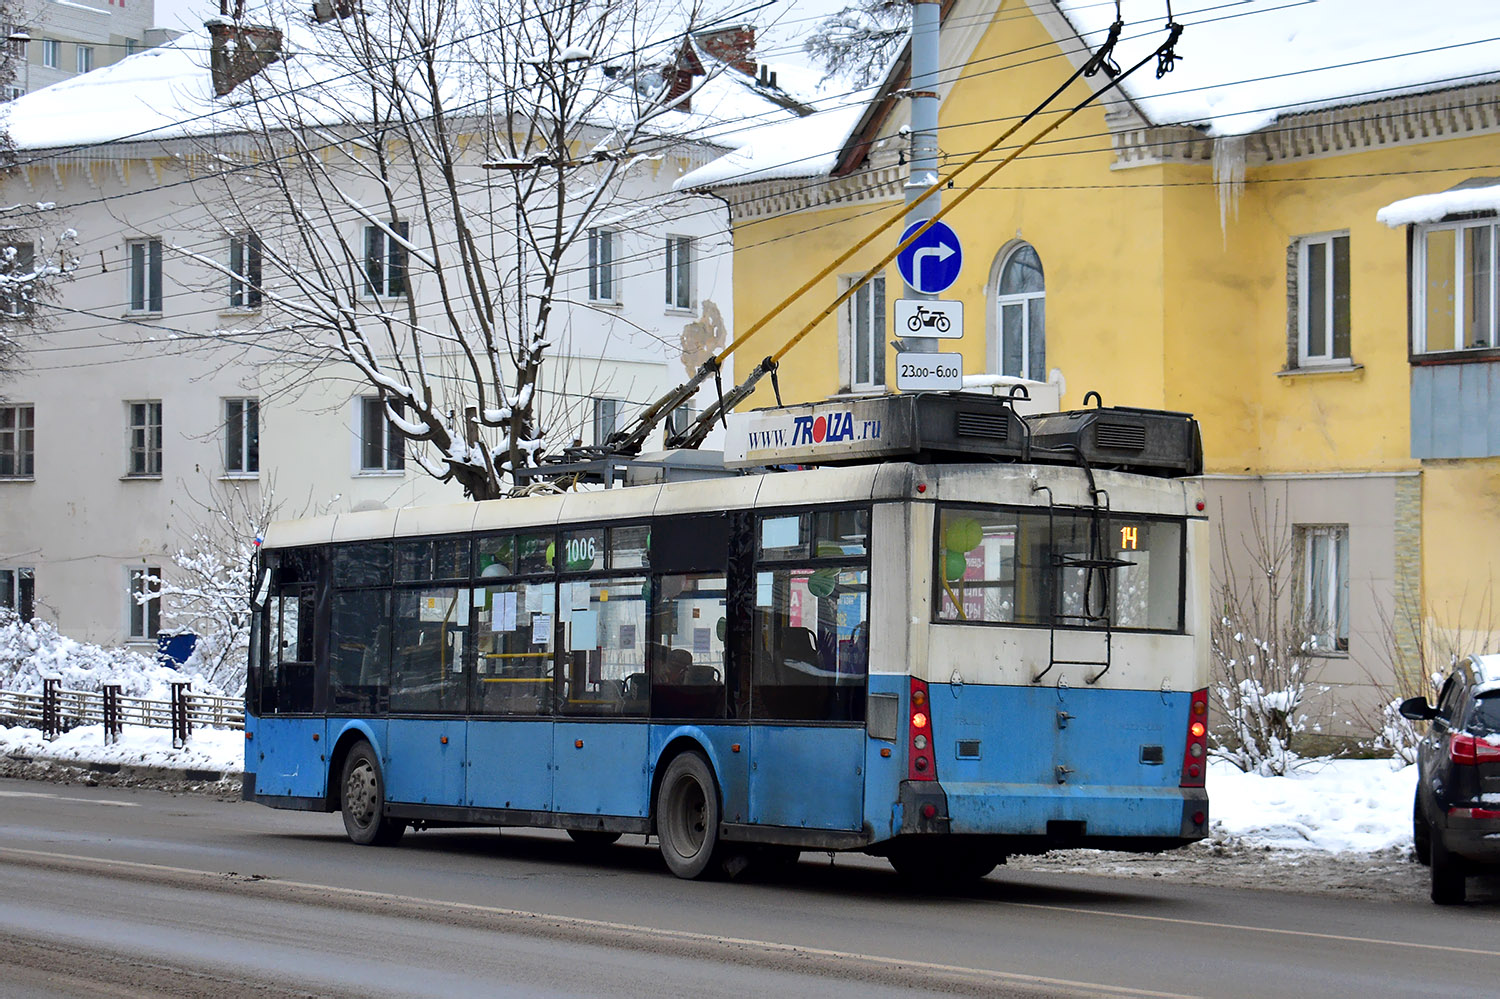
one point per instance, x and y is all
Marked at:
(1261, 654)
(31, 651)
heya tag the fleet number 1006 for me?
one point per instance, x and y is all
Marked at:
(909, 370)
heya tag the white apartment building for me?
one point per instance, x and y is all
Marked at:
(70, 37)
(156, 397)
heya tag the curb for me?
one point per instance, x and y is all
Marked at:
(132, 770)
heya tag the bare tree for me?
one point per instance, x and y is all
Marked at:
(1261, 649)
(859, 42)
(477, 151)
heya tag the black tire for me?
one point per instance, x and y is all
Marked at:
(593, 839)
(362, 800)
(687, 817)
(913, 323)
(1421, 834)
(1448, 879)
(942, 865)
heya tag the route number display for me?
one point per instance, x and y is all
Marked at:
(929, 372)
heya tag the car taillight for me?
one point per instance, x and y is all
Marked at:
(1468, 750)
(1473, 813)
(1195, 756)
(921, 763)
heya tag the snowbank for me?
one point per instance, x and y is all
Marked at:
(207, 748)
(33, 650)
(1335, 806)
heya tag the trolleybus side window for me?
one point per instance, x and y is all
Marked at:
(359, 668)
(1003, 566)
(812, 614)
(689, 626)
(428, 633)
(514, 628)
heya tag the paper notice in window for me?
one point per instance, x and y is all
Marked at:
(503, 617)
(581, 597)
(541, 629)
(585, 631)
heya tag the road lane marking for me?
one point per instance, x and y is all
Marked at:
(1073, 987)
(60, 797)
(1274, 930)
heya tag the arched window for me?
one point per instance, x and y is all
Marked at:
(1020, 346)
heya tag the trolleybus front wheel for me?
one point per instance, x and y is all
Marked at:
(687, 816)
(362, 800)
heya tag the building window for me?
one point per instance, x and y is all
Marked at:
(1324, 579)
(143, 263)
(603, 247)
(1021, 316)
(1453, 287)
(679, 272)
(18, 591)
(17, 442)
(862, 335)
(17, 279)
(51, 53)
(85, 58)
(382, 445)
(244, 263)
(145, 602)
(145, 438)
(131, 45)
(606, 419)
(680, 420)
(12, 92)
(385, 259)
(241, 436)
(1322, 299)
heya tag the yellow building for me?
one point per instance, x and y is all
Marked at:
(1210, 241)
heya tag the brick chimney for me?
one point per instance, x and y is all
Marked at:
(236, 52)
(734, 46)
(680, 77)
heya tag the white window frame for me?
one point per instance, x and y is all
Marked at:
(387, 263)
(143, 439)
(1023, 301)
(241, 437)
(142, 620)
(84, 58)
(11, 578)
(1327, 308)
(18, 440)
(862, 322)
(1419, 284)
(681, 418)
(370, 416)
(245, 266)
(606, 418)
(681, 291)
(143, 276)
(51, 53)
(1323, 553)
(604, 273)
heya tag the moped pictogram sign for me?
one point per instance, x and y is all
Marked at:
(942, 319)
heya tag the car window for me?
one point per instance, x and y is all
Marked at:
(1448, 700)
(1485, 718)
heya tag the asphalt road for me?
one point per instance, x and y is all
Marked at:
(123, 892)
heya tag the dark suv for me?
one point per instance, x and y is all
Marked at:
(1456, 817)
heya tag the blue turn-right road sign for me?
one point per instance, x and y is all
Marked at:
(931, 264)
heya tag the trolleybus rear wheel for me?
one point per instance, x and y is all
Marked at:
(687, 816)
(362, 800)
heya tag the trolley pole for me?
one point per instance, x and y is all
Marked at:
(923, 165)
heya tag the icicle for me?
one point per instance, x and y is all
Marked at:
(1229, 177)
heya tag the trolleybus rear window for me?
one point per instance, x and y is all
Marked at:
(1068, 568)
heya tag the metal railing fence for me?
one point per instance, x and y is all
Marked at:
(55, 710)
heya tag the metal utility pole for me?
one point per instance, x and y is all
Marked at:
(923, 167)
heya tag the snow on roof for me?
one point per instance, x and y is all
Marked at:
(803, 147)
(167, 93)
(1482, 195)
(1246, 64)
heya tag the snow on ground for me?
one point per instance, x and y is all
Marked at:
(1329, 806)
(207, 749)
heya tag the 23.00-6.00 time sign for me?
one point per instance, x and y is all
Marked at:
(917, 372)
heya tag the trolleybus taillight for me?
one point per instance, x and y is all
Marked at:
(1195, 756)
(922, 764)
